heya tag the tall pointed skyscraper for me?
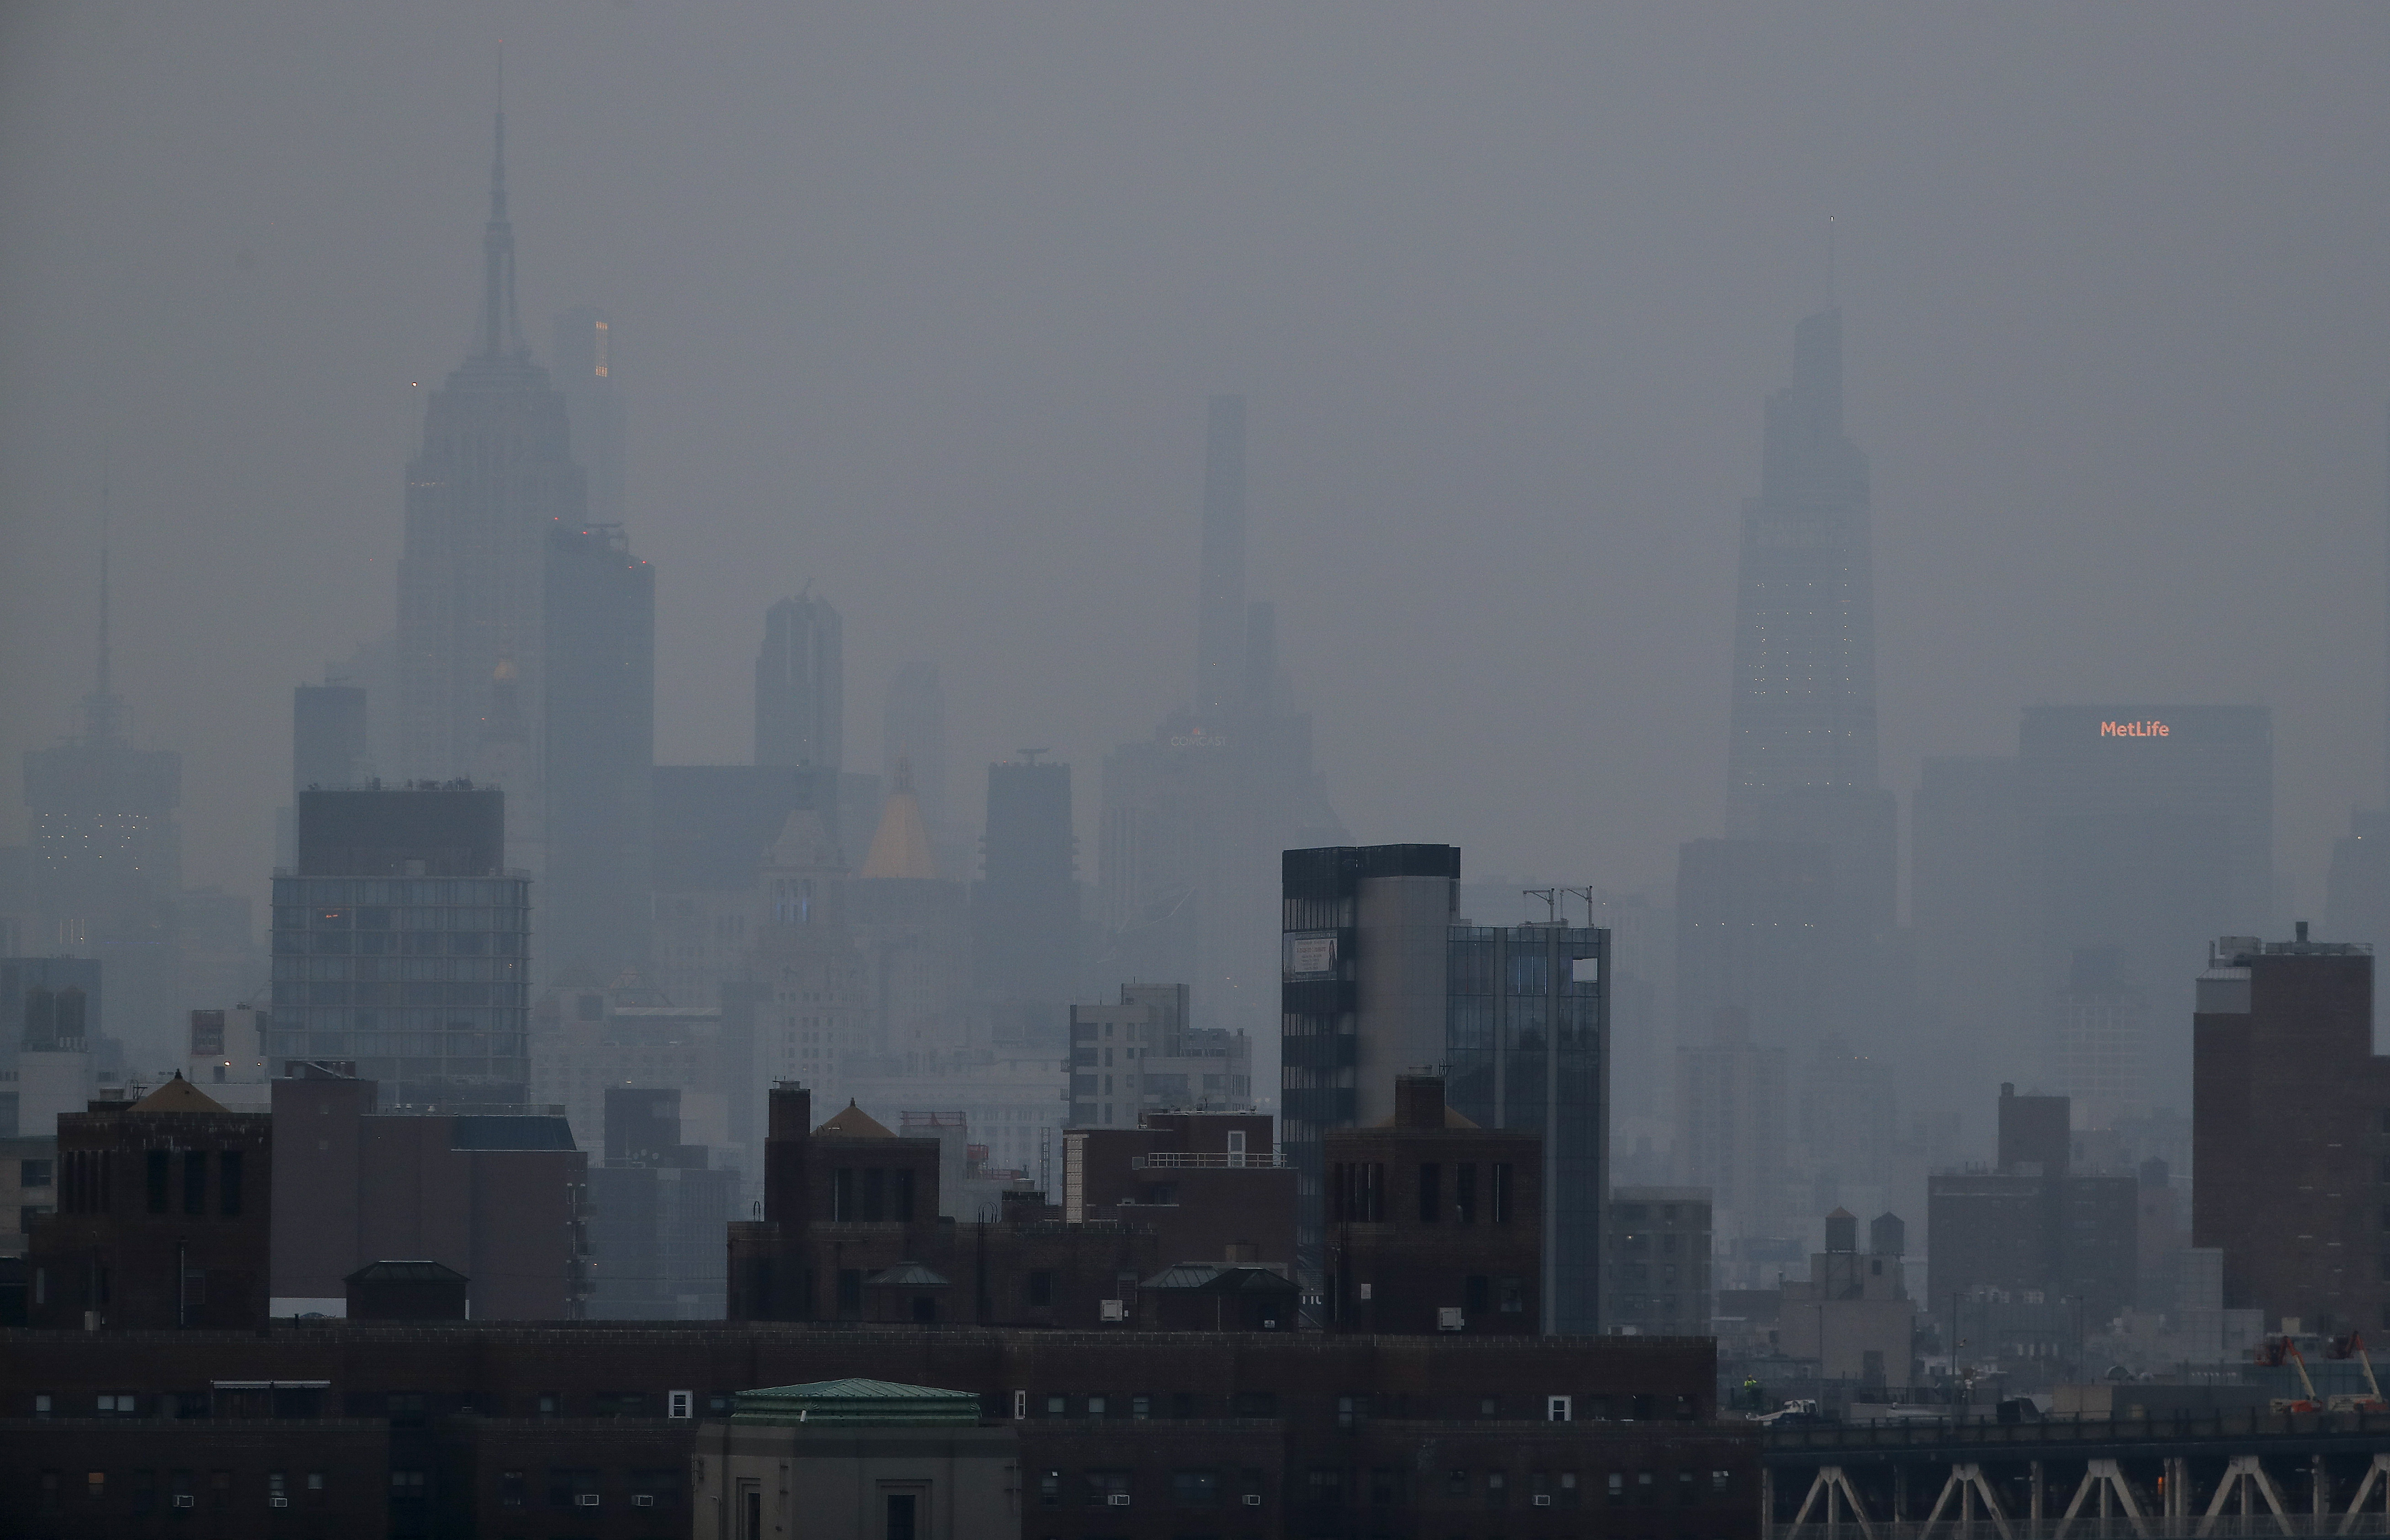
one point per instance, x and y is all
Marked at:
(1220, 620)
(1194, 818)
(105, 861)
(1804, 712)
(1811, 858)
(495, 477)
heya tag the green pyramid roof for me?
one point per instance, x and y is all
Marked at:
(857, 1403)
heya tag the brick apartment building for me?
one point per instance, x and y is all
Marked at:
(498, 1197)
(163, 1207)
(514, 1431)
(1434, 1224)
(851, 1231)
(2291, 1132)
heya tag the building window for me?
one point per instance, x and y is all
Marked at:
(33, 1173)
(1323, 1486)
(1049, 1489)
(1464, 1192)
(510, 1489)
(1477, 1295)
(1430, 1196)
(156, 1180)
(1498, 1489)
(228, 1183)
(1195, 1488)
(1102, 1486)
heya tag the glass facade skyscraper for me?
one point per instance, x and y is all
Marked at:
(400, 945)
(1526, 1045)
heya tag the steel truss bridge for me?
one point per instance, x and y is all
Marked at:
(2240, 1475)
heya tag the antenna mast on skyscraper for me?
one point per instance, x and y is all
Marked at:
(101, 709)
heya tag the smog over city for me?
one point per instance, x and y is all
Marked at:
(1756, 622)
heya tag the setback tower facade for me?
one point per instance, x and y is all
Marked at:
(402, 944)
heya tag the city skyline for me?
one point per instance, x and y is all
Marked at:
(2112, 535)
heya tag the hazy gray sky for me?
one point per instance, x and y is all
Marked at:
(921, 306)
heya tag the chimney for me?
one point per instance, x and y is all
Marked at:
(784, 1148)
(1419, 1101)
(793, 1112)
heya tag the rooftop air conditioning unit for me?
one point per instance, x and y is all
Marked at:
(184, 1499)
(1543, 1499)
(1252, 1499)
(1111, 1310)
(643, 1499)
(584, 1499)
(1447, 1318)
(277, 1502)
(1118, 1499)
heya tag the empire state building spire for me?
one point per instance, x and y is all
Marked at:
(501, 327)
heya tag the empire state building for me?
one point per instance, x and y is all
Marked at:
(494, 480)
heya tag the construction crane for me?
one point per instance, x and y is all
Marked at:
(2270, 1353)
(2353, 1346)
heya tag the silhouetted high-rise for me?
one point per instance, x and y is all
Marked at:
(1804, 709)
(600, 732)
(495, 477)
(801, 685)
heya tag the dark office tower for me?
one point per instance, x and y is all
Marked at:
(403, 945)
(1968, 916)
(801, 685)
(592, 404)
(2287, 1131)
(1364, 932)
(1221, 621)
(328, 737)
(601, 750)
(1803, 712)
(1527, 1047)
(495, 476)
(913, 734)
(105, 856)
(1026, 915)
(2147, 828)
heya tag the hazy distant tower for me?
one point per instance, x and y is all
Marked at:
(1803, 712)
(104, 862)
(801, 685)
(585, 372)
(601, 731)
(914, 734)
(495, 477)
(1222, 621)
